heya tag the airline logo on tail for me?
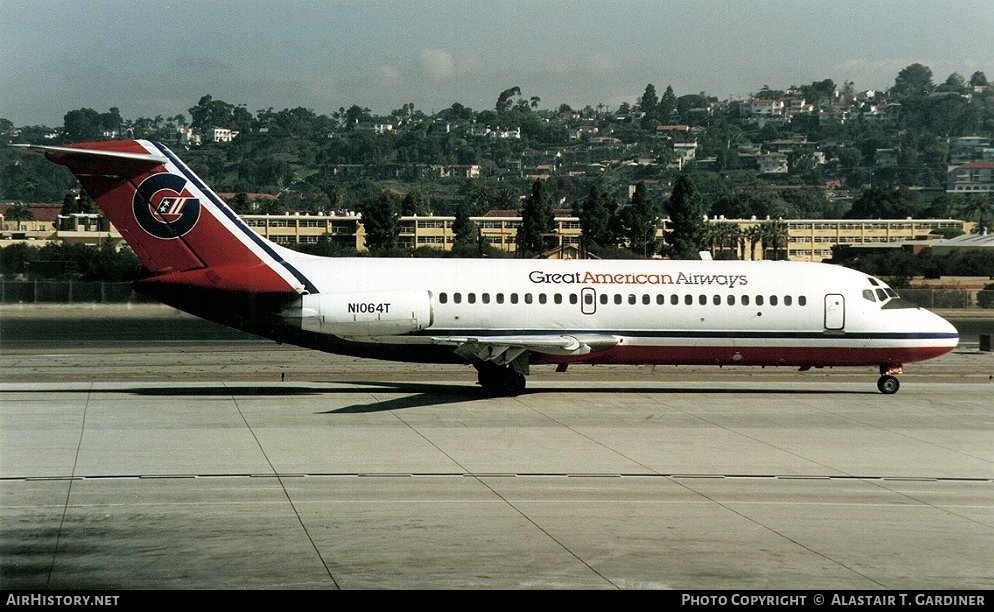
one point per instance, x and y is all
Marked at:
(164, 207)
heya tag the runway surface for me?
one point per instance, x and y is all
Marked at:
(234, 463)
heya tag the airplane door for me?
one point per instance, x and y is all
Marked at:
(588, 301)
(835, 311)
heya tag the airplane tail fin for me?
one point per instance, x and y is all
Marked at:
(182, 232)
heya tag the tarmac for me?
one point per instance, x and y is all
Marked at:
(240, 464)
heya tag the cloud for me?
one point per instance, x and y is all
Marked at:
(439, 65)
(389, 74)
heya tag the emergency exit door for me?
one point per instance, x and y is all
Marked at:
(835, 311)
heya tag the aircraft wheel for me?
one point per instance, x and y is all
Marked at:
(888, 385)
(501, 381)
(513, 383)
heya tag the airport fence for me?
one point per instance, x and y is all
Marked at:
(69, 292)
(80, 292)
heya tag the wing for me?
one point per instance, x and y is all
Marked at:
(505, 349)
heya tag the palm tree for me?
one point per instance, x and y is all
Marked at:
(979, 208)
(728, 238)
(755, 236)
(18, 213)
(774, 236)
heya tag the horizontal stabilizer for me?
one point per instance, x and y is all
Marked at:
(153, 159)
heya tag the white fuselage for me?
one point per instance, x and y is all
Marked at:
(659, 311)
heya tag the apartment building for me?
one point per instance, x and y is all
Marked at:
(971, 177)
(808, 239)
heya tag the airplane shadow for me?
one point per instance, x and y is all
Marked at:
(420, 395)
(434, 394)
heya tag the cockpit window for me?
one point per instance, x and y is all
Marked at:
(873, 281)
(891, 292)
(881, 295)
(868, 295)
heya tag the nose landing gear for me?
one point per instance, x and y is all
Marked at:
(888, 384)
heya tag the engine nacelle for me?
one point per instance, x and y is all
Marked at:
(366, 313)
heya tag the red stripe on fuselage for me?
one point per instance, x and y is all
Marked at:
(813, 356)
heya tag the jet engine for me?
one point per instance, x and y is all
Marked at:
(366, 313)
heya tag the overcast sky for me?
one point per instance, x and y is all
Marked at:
(158, 57)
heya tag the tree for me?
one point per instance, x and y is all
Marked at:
(504, 102)
(210, 113)
(686, 210)
(667, 104)
(979, 208)
(415, 203)
(595, 219)
(18, 212)
(466, 242)
(885, 203)
(642, 218)
(380, 218)
(774, 236)
(978, 79)
(723, 239)
(83, 125)
(915, 80)
(537, 221)
(648, 101)
(241, 203)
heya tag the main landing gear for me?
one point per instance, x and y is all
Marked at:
(888, 383)
(500, 380)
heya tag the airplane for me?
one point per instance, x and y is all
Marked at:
(499, 315)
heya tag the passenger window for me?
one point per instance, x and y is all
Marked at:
(660, 299)
(558, 298)
(646, 299)
(774, 300)
(457, 298)
(486, 298)
(787, 300)
(588, 299)
(617, 298)
(471, 298)
(716, 300)
(443, 298)
(500, 298)
(802, 301)
(603, 298)
(514, 298)
(702, 299)
(674, 299)
(631, 298)
(759, 300)
(572, 299)
(528, 298)
(541, 298)
(688, 299)
(745, 300)
(730, 300)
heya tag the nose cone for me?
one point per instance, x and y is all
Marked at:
(943, 331)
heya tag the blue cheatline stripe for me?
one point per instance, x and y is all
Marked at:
(691, 335)
(245, 229)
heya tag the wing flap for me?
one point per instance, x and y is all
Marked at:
(505, 349)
